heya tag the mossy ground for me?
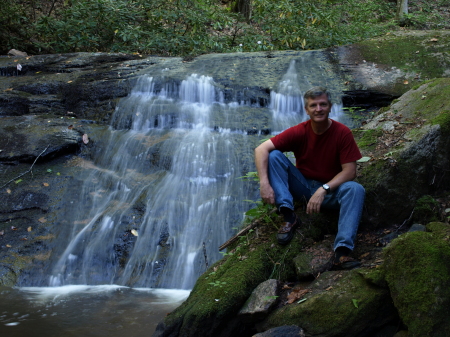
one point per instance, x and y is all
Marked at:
(416, 55)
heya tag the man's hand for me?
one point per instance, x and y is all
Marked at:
(315, 201)
(261, 161)
(267, 194)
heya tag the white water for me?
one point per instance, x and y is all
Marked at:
(185, 171)
(287, 104)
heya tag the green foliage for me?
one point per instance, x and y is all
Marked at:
(189, 28)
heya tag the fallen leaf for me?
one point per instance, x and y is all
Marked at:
(85, 139)
(19, 67)
(29, 229)
(8, 191)
(70, 127)
(329, 288)
(405, 82)
(13, 228)
(364, 160)
(2, 232)
(42, 220)
(9, 246)
(297, 294)
(46, 184)
(364, 256)
(69, 81)
(433, 39)
(134, 232)
(9, 89)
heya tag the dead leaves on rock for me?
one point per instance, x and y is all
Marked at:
(297, 294)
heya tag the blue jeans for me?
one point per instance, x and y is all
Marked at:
(289, 183)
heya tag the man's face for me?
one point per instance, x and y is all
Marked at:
(318, 108)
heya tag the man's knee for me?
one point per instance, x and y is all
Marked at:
(275, 155)
(354, 188)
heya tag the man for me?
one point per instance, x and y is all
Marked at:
(326, 154)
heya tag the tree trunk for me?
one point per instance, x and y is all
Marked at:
(402, 9)
(244, 7)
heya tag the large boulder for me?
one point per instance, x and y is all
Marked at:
(406, 150)
(417, 271)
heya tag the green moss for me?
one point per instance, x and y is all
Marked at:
(222, 290)
(372, 174)
(417, 272)
(367, 138)
(416, 54)
(430, 100)
(439, 228)
(426, 210)
(443, 119)
(332, 312)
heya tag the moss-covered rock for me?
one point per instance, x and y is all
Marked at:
(396, 62)
(221, 291)
(417, 271)
(352, 306)
(408, 146)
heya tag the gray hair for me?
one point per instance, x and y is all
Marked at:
(316, 92)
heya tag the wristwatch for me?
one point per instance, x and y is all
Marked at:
(326, 188)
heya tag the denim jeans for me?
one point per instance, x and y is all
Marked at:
(288, 184)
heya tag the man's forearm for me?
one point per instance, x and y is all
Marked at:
(261, 161)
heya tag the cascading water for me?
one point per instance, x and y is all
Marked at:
(287, 102)
(157, 194)
(185, 172)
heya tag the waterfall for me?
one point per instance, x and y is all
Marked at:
(163, 193)
(287, 104)
(163, 153)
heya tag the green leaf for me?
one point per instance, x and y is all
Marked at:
(18, 181)
(355, 302)
(49, 170)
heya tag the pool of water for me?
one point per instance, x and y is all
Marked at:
(83, 311)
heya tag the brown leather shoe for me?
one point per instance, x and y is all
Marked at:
(287, 231)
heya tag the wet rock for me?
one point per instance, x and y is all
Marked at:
(26, 138)
(387, 239)
(417, 228)
(283, 331)
(260, 301)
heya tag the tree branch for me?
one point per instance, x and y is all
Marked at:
(29, 170)
(243, 231)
